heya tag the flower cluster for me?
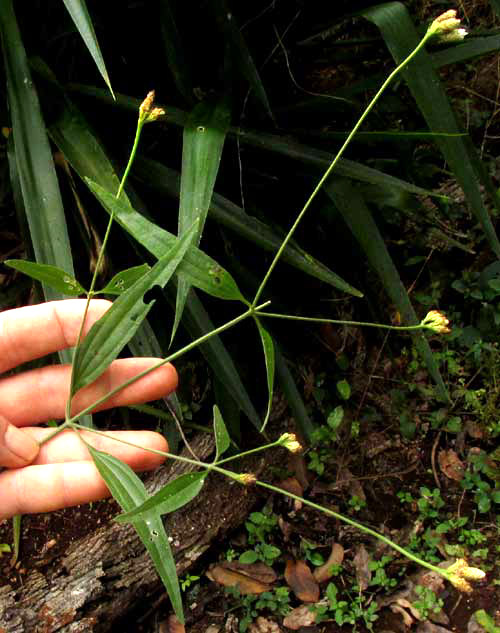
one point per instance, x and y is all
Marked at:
(148, 114)
(437, 322)
(460, 572)
(289, 441)
(447, 27)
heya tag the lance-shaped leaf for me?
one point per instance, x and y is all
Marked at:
(129, 491)
(269, 356)
(108, 336)
(358, 218)
(171, 497)
(203, 140)
(222, 439)
(234, 218)
(83, 22)
(401, 37)
(50, 275)
(124, 280)
(201, 270)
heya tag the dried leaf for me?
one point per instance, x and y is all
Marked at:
(363, 573)
(252, 578)
(429, 627)
(299, 617)
(451, 465)
(474, 430)
(300, 579)
(293, 486)
(325, 571)
(173, 625)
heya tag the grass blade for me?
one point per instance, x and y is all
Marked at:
(203, 141)
(401, 37)
(50, 275)
(129, 492)
(83, 22)
(358, 218)
(234, 218)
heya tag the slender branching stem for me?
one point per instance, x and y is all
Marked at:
(341, 151)
(382, 326)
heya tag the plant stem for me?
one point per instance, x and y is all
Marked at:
(327, 173)
(60, 428)
(291, 317)
(359, 526)
(100, 257)
(183, 350)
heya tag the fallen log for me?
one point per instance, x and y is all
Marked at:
(106, 573)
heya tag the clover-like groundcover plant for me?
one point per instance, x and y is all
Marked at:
(114, 330)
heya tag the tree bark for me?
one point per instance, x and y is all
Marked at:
(103, 575)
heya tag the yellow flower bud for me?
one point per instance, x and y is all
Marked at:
(148, 114)
(247, 479)
(447, 27)
(436, 321)
(289, 441)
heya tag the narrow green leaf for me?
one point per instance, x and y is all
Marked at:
(129, 491)
(401, 37)
(358, 218)
(292, 394)
(471, 47)
(234, 218)
(203, 140)
(108, 336)
(50, 275)
(124, 280)
(171, 497)
(222, 439)
(269, 356)
(83, 22)
(201, 270)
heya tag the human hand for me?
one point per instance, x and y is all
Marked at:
(61, 472)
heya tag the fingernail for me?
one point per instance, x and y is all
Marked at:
(21, 444)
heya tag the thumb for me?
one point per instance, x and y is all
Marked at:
(17, 448)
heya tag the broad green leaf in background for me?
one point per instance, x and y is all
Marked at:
(50, 275)
(269, 356)
(35, 167)
(358, 218)
(197, 322)
(41, 195)
(108, 336)
(203, 140)
(124, 280)
(234, 218)
(222, 439)
(201, 270)
(401, 37)
(129, 491)
(170, 498)
(83, 22)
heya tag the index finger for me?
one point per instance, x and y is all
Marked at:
(35, 331)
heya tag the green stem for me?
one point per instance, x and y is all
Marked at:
(359, 526)
(327, 173)
(383, 326)
(100, 257)
(170, 358)
(60, 428)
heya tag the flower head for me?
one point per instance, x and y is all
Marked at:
(436, 321)
(447, 27)
(147, 113)
(460, 572)
(289, 441)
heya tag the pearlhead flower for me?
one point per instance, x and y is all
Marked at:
(460, 572)
(437, 322)
(148, 114)
(447, 27)
(289, 441)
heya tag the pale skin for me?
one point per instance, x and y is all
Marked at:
(61, 473)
